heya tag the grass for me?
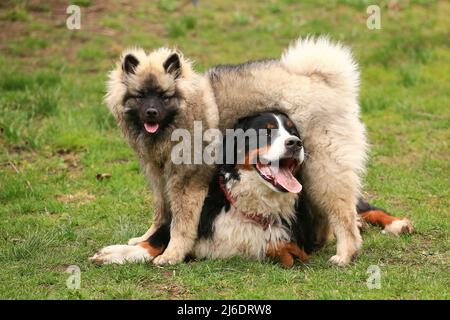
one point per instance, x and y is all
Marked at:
(56, 136)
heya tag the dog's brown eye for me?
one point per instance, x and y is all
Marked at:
(166, 99)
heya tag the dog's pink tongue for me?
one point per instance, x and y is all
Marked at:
(284, 177)
(151, 128)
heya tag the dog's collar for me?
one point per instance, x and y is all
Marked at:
(264, 222)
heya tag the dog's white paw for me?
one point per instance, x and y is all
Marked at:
(340, 260)
(398, 227)
(135, 241)
(120, 254)
(168, 258)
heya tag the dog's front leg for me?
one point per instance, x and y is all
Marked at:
(348, 237)
(159, 214)
(186, 197)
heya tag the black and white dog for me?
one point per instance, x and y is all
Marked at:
(255, 206)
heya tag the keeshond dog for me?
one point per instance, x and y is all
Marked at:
(150, 96)
(315, 83)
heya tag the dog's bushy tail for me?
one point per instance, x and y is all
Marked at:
(329, 61)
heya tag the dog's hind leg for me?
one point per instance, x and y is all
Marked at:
(379, 217)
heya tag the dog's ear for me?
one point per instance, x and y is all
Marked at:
(130, 63)
(173, 65)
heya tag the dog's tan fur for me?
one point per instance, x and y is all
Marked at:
(179, 189)
(316, 84)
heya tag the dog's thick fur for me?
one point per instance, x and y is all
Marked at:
(247, 212)
(179, 189)
(315, 82)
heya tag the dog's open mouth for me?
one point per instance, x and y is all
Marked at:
(151, 127)
(281, 176)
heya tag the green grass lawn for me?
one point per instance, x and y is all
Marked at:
(56, 135)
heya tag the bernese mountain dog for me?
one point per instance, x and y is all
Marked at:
(256, 206)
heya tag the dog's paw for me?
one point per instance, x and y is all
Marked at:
(135, 241)
(399, 227)
(168, 258)
(120, 254)
(101, 259)
(106, 255)
(340, 261)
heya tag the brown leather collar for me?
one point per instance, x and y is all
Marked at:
(258, 218)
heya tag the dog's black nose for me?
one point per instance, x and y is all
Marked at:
(152, 112)
(293, 144)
